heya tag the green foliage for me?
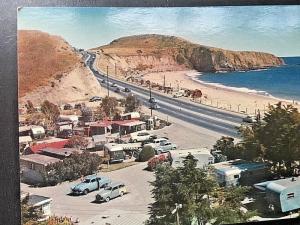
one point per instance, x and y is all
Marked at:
(146, 153)
(132, 104)
(109, 105)
(29, 213)
(51, 112)
(202, 199)
(72, 168)
(78, 142)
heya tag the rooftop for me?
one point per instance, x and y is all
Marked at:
(51, 143)
(39, 159)
(238, 164)
(61, 151)
(279, 185)
(36, 200)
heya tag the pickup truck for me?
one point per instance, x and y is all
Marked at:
(90, 183)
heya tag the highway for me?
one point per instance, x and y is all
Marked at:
(210, 118)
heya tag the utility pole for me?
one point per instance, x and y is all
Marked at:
(151, 103)
(107, 84)
(176, 210)
(164, 83)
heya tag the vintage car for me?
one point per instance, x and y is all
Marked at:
(113, 190)
(90, 183)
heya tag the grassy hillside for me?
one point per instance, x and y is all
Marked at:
(42, 57)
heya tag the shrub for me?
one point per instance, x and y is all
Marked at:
(146, 154)
(72, 168)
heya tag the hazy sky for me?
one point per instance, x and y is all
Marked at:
(274, 29)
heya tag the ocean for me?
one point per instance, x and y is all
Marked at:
(280, 82)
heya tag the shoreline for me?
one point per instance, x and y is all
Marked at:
(219, 95)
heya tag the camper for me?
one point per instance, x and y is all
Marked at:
(37, 132)
(69, 118)
(283, 194)
(239, 172)
(203, 156)
(115, 152)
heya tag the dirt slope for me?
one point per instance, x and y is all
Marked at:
(49, 68)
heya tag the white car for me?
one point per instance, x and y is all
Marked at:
(140, 136)
(157, 142)
(177, 94)
(250, 119)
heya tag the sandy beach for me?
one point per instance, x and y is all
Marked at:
(220, 97)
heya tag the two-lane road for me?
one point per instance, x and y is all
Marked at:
(213, 119)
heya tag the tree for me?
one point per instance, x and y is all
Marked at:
(51, 112)
(146, 153)
(132, 104)
(30, 108)
(78, 142)
(276, 139)
(226, 146)
(201, 197)
(196, 94)
(109, 106)
(29, 213)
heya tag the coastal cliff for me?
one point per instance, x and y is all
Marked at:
(159, 53)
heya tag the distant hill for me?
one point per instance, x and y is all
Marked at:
(153, 53)
(49, 68)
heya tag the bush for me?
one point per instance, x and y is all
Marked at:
(147, 153)
(72, 168)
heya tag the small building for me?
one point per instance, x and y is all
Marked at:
(201, 154)
(283, 194)
(60, 153)
(99, 128)
(37, 132)
(50, 143)
(65, 125)
(240, 172)
(124, 127)
(33, 167)
(131, 116)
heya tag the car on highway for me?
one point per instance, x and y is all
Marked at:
(90, 183)
(117, 90)
(95, 99)
(113, 190)
(250, 119)
(113, 85)
(152, 100)
(141, 136)
(165, 147)
(127, 90)
(103, 81)
(154, 105)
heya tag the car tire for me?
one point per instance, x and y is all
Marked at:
(122, 193)
(107, 199)
(86, 191)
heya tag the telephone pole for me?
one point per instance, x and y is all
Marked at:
(151, 103)
(107, 84)
(164, 83)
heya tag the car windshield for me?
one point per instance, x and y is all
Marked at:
(108, 188)
(86, 181)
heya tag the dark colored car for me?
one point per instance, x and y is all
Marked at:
(103, 81)
(117, 90)
(78, 106)
(67, 107)
(113, 85)
(95, 99)
(65, 134)
(127, 90)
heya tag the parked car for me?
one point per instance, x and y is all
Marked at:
(250, 119)
(165, 147)
(117, 90)
(155, 142)
(68, 107)
(177, 94)
(90, 183)
(66, 134)
(113, 85)
(78, 106)
(95, 99)
(127, 90)
(103, 81)
(113, 190)
(141, 136)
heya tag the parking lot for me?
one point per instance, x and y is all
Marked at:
(134, 204)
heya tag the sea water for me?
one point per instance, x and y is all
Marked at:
(280, 82)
